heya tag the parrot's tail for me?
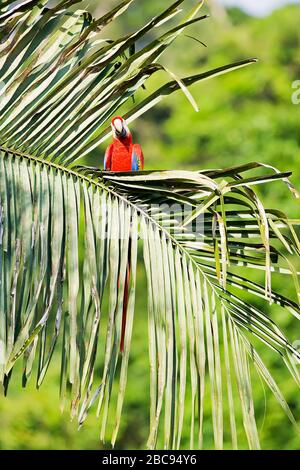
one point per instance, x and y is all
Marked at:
(125, 300)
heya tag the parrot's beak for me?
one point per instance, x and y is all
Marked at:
(118, 127)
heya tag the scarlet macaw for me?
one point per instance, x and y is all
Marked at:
(123, 155)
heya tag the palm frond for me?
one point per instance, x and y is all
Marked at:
(65, 232)
(193, 308)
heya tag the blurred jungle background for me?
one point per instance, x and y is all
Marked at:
(244, 116)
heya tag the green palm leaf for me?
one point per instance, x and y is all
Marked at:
(65, 232)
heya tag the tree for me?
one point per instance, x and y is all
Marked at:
(65, 230)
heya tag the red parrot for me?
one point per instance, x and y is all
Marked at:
(123, 155)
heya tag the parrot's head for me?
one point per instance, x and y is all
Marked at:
(119, 128)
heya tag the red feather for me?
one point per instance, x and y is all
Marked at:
(121, 159)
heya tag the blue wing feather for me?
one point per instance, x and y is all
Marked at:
(134, 161)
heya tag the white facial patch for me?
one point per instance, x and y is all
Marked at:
(118, 124)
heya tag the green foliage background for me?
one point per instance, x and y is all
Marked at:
(244, 116)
